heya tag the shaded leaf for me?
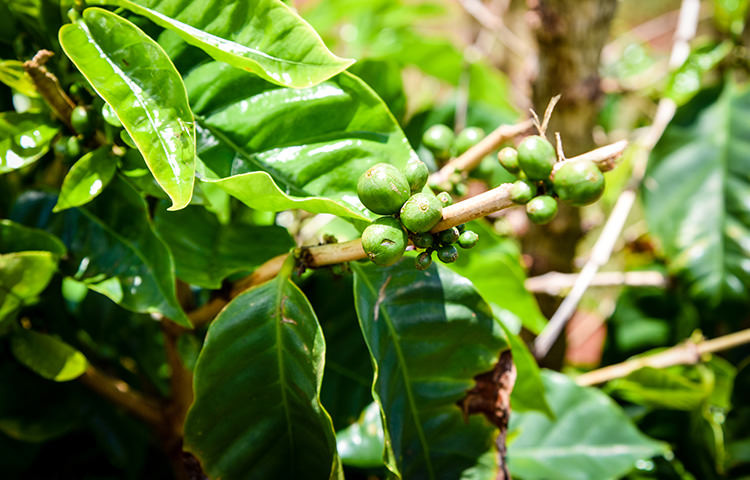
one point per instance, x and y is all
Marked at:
(15, 237)
(13, 75)
(494, 267)
(697, 194)
(48, 356)
(314, 143)
(265, 37)
(86, 179)
(206, 252)
(24, 138)
(135, 77)
(429, 334)
(257, 412)
(591, 438)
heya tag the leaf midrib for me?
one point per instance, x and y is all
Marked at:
(404, 373)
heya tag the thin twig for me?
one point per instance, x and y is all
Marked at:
(494, 24)
(473, 156)
(121, 394)
(686, 353)
(548, 113)
(605, 244)
(330, 254)
(49, 87)
(180, 380)
(554, 283)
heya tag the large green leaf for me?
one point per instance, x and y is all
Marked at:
(206, 252)
(591, 438)
(135, 77)
(678, 388)
(697, 194)
(24, 138)
(429, 334)
(48, 356)
(257, 411)
(28, 259)
(361, 444)
(494, 267)
(313, 143)
(265, 37)
(86, 179)
(114, 250)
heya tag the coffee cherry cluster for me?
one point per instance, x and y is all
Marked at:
(578, 182)
(409, 212)
(444, 144)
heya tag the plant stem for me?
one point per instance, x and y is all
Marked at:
(49, 87)
(605, 244)
(330, 254)
(553, 283)
(120, 393)
(688, 352)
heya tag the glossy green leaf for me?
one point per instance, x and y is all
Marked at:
(686, 81)
(265, 37)
(115, 251)
(697, 194)
(494, 267)
(23, 276)
(279, 148)
(15, 237)
(429, 334)
(24, 138)
(384, 76)
(257, 411)
(206, 252)
(135, 77)
(86, 179)
(591, 438)
(48, 356)
(13, 75)
(361, 444)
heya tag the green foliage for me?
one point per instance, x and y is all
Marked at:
(24, 139)
(48, 356)
(86, 179)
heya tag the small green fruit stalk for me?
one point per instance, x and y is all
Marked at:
(536, 157)
(421, 212)
(578, 182)
(383, 189)
(467, 138)
(439, 140)
(384, 241)
(541, 209)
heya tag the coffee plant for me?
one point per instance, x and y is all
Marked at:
(217, 239)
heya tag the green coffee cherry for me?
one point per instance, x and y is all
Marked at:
(384, 241)
(508, 158)
(421, 212)
(81, 120)
(541, 209)
(73, 147)
(439, 139)
(468, 239)
(445, 198)
(579, 182)
(422, 240)
(416, 174)
(423, 261)
(449, 236)
(383, 189)
(522, 191)
(536, 157)
(468, 137)
(447, 254)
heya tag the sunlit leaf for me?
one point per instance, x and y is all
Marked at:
(136, 78)
(13, 75)
(86, 179)
(24, 138)
(361, 444)
(48, 356)
(265, 37)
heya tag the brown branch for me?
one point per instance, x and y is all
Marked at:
(554, 283)
(49, 87)
(333, 253)
(686, 353)
(180, 381)
(473, 156)
(120, 393)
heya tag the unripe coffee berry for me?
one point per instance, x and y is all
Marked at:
(384, 241)
(383, 189)
(536, 157)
